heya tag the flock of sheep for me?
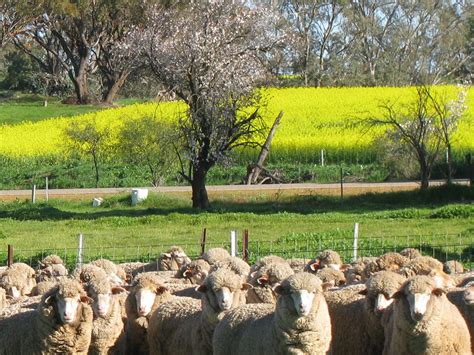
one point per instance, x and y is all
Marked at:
(398, 303)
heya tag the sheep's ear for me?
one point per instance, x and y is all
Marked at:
(327, 285)
(314, 266)
(246, 286)
(252, 274)
(160, 290)
(263, 280)
(86, 299)
(279, 290)
(201, 288)
(168, 255)
(342, 282)
(118, 289)
(363, 292)
(188, 273)
(438, 291)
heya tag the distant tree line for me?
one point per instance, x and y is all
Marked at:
(81, 47)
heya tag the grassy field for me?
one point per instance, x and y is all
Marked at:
(439, 221)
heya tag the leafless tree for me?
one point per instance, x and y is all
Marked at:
(211, 55)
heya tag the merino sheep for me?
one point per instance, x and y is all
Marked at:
(264, 280)
(62, 323)
(148, 291)
(299, 324)
(88, 272)
(43, 287)
(196, 271)
(353, 272)
(235, 264)
(115, 273)
(18, 280)
(463, 299)
(425, 322)
(297, 264)
(327, 258)
(429, 266)
(331, 276)
(183, 326)
(214, 255)
(107, 326)
(3, 298)
(51, 267)
(388, 262)
(173, 259)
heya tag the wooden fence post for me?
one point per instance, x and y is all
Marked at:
(203, 241)
(245, 246)
(10, 255)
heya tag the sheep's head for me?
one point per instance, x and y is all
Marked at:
(298, 292)
(102, 293)
(220, 289)
(380, 290)
(174, 259)
(145, 288)
(334, 277)
(410, 253)
(215, 254)
(420, 293)
(234, 264)
(67, 298)
(468, 294)
(197, 271)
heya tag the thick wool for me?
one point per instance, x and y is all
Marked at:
(334, 277)
(87, 273)
(453, 267)
(137, 326)
(410, 253)
(441, 330)
(3, 298)
(297, 264)
(173, 259)
(185, 325)
(266, 260)
(263, 329)
(196, 271)
(264, 279)
(459, 297)
(422, 265)
(51, 272)
(19, 275)
(214, 255)
(354, 272)
(234, 264)
(40, 331)
(111, 269)
(388, 261)
(326, 258)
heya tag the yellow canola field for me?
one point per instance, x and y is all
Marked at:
(314, 119)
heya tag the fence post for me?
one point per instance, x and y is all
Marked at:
(245, 246)
(356, 239)
(342, 186)
(79, 250)
(322, 157)
(233, 243)
(47, 189)
(10, 255)
(203, 240)
(33, 194)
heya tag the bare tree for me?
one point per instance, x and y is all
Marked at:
(415, 126)
(210, 56)
(15, 15)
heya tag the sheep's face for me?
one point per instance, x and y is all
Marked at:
(67, 308)
(224, 298)
(101, 304)
(469, 296)
(195, 274)
(145, 299)
(303, 301)
(418, 304)
(382, 302)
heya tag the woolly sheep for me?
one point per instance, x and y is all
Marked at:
(327, 258)
(331, 276)
(426, 265)
(88, 272)
(425, 322)
(234, 264)
(18, 280)
(389, 261)
(25, 304)
(463, 299)
(3, 298)
(132, 268)
(353, 272)
(50, 267)
(185, 325)
(115, 273)
(61, 324)
(453, 267)
(299, 324)
(148, 291)
(214, 255)
(410, 253)
(297, 264)
(173, 259)
(264, 280)
(107, 326)
(196, 271)
(43, 287)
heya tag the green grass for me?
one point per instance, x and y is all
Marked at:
(439, 221)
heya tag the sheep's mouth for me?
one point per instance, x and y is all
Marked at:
(469, 301)
(417, 316)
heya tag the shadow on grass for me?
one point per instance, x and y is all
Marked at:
(164, 205)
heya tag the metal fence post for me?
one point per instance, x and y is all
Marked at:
(79, 250)
(33, 194)
(47, 189)
(356, 239)
(233, 243)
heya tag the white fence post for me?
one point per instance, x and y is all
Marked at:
(233, 243)
(47, 189)
(79, 250)
(33, 194)
(356, 239)
(322, 157)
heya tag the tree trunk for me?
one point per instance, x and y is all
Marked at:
(449, 162)
(198, 184)
(424, 175)
(113, 87)
(96, 167)
(80, 86)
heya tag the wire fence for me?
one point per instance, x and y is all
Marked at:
(443, 247)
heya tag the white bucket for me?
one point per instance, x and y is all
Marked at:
(139, 195)
(97, 201)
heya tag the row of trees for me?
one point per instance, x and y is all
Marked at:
(327, 42)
